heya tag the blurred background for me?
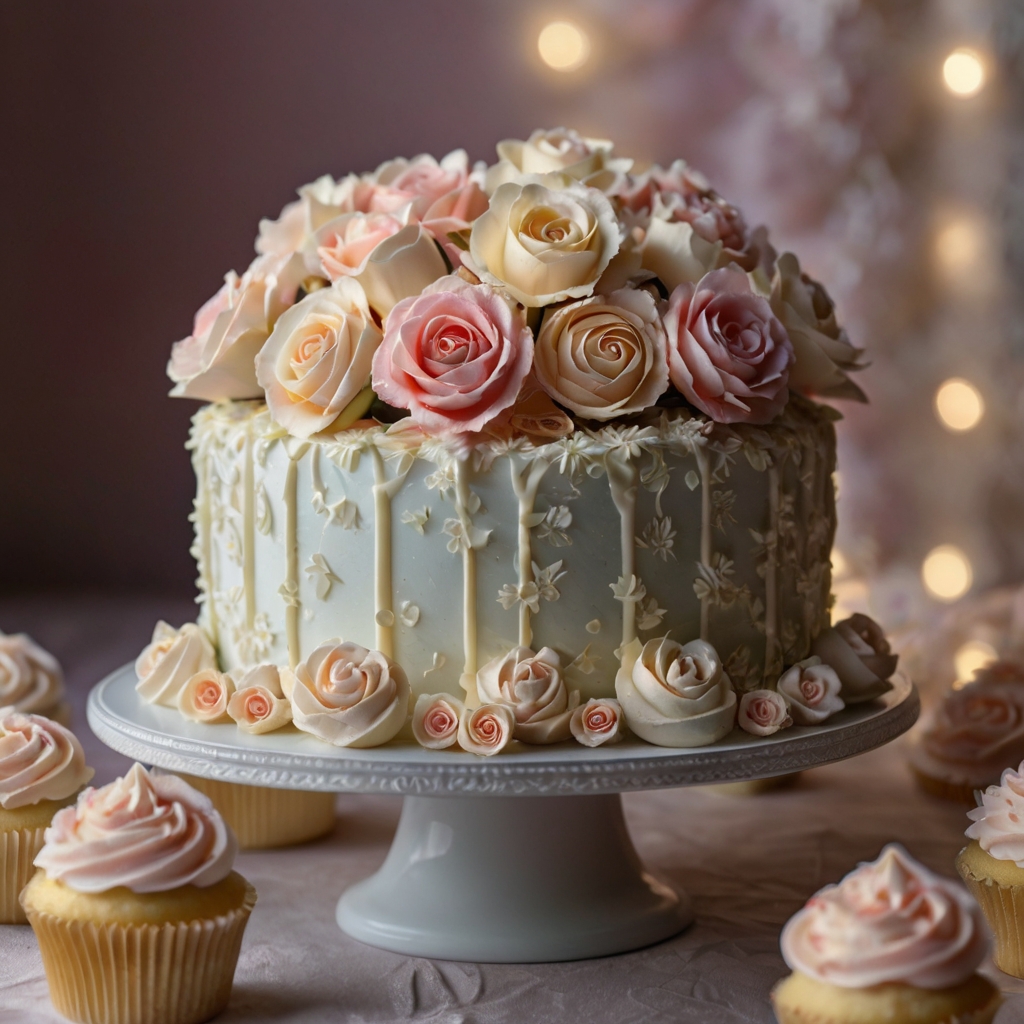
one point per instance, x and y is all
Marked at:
(882, 140)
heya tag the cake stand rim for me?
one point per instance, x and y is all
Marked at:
(409, 770)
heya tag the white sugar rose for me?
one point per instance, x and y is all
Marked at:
(860, 654)
(823, 351)
(172, 658)
(204, 698)
(546, 239)
(435, 720)
(316, 363)
(763, 712)
(675, 695)
(676, 252)
(31, 679)
(553, 149)
(604, 356)
(348, 696)
(811, 691)
(534, 687)
(598, 721)
(487, 730)
(216, 361)
(420, 182)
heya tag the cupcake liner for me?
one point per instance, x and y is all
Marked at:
(263, 817)
(961, 792)
(176, 973)
(1003, 907)
(18, 848)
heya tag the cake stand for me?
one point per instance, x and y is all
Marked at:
(519, 858)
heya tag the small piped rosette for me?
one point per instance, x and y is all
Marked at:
(137, 910)
(890, 942)
(992, 866)
(42, 768)
(675, 695)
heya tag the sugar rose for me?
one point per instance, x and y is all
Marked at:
(486, 730)
(553, 149)
(598, 721)
(454, 356)
(171, 659)
(763, 712)
(811, 691)
(435, 720)
(342, 247)
(546, 239)
(675, 695)
(216, 360)
(204, 698)
(823, 352)
(858, 651)
(604, 356)
(728, 353)
(418, 183)
(534, 687)
(31, 679)
(348, 696)
(317, 360)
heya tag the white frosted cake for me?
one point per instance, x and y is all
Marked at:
(533, 434)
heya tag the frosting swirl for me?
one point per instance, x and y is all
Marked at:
(888, 921)
(147, 831)
(170, 660)
(998, 822)
(39, 760)
(31, 680)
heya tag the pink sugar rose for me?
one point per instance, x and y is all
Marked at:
(455, 356)
(421, 181)
(435, 720)
(763, 712)
(343, 245)
(454, 212)
(727, 351)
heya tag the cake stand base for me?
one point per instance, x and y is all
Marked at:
(520, 880)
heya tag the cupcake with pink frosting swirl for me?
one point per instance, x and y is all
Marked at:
(890, 942)
(42, 769)
(136, 892)
(992, 866)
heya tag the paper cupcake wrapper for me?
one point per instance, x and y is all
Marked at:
(960, 792)
(18, 848)
(1003, 907)
(263, 817)
(141, 974)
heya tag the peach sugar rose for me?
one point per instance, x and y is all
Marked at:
(455, 356)
(486, 730)
(204, 698)
(597, 722)
(435, 720)
(763, 712)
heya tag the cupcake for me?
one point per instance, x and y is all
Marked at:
(42, 768)
(31, 679)
(138, 913)
(891, 942)
(974, 734)
(992, 865)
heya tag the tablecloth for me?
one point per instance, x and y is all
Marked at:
(748, 862)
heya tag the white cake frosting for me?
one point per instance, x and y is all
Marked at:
(442, 562)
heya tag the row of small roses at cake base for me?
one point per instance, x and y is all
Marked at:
(669, 694)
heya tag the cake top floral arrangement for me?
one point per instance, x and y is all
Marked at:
(557, 285)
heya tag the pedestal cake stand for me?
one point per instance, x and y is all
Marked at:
(520, 858)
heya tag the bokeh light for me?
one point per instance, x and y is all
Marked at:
(963, 71)
(947, 573)
(969, 657)
(563, 46)
(958, 404)
(959, 245)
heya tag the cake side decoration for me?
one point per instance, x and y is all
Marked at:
(204, 698)
(597, 722)
(763, 712)
(348, 696)
(172, 658)
(435, 720)
(487, 729)
(811, 691)
(890, 939)
(31, 679)
(857, 650)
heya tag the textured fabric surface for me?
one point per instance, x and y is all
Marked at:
(748, 862)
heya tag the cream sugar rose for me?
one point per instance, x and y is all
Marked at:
(502, 429)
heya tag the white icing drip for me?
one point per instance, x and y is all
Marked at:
(249, 532)
(205, 522)
(291, 547)
(705, 532)
(525, 484)
(622, 479)
(469, 624)
(772, 653)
